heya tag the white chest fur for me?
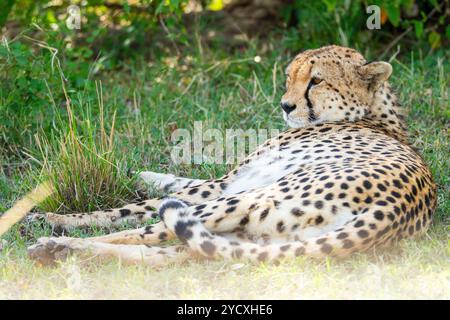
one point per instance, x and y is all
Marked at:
(267, 168)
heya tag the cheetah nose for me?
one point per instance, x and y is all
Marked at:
(287, 107)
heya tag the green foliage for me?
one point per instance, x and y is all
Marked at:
(32, 84)
(46, 12)
(120, 30)
(47, 109)
(114, 28)
(23, 91)
(328, 20)
(5, 8)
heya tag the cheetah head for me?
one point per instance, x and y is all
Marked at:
(330, 84)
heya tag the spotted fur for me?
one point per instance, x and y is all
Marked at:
(342, 179)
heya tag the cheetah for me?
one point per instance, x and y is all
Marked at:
(342, 179)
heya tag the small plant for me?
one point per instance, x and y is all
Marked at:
(83, 165)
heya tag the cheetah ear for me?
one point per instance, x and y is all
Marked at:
(375, 72)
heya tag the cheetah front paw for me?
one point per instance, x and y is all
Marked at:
(49, 250)
(36, 217)
(56, 221)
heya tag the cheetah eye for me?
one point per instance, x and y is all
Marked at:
(315, 80)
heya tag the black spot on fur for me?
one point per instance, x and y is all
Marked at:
(124, 212)
(233, 201)
(379, 215)
(162, 236)
(237, 253)
(326, 248)
(193, 191)
(318, 204)
(363, 234)
(262, 256)
(205, 194)
(183, 229)
(319, 220)
(299, 251)
(359, 224)
(342, 235)
(367, 184)
(263, 214)
(348, 244)
(208, 247)
(230, 209)
(148, 230)
(244, 221)
(297, 212)
(280, 226)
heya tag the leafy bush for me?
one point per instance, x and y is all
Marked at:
(31, 90)
(114, 28)
(120, 30)
(422, 21)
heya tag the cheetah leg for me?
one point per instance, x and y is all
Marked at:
(118, 244)
(139, 212)
(135, 212)
(49, 250)
(339, 242)
(168, 182)
(149, 235)
(221, 215)
(215, 214)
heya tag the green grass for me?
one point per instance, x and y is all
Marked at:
(417, 269)
(147, 100)
(83, 166)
